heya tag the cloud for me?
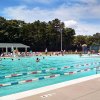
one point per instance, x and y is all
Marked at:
(36, 13)
(63, 12)
(82, 28)
(79, 28)
(38, 1)
(77, 13)
(91, 2)
(71, 24)
(87, 29)
(30, 15)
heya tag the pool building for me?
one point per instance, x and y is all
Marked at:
(6, 47)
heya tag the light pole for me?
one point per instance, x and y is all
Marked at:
(60, 30)
(61, 38)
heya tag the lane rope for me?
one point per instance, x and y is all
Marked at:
(45, 71)
(47, 77)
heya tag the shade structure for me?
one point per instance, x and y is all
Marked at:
(84, 48)
(15, 45)
(12, 46)
(84, 45)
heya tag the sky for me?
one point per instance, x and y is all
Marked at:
(81, 15)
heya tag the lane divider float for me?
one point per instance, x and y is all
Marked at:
(44, 71)
(46, 77)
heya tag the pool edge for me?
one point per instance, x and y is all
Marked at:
(47, 88)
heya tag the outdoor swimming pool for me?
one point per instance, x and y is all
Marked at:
(22, 74)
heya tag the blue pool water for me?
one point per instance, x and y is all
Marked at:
(29, 64)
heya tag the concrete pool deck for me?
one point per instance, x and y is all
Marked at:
(86, 88)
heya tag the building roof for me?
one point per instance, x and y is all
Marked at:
(10, 45)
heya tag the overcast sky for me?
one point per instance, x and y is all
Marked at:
(82, 15)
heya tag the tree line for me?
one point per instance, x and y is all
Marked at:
(40, 35)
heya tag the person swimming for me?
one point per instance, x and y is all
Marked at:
(37, 59)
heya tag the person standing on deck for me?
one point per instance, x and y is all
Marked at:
(46, 51)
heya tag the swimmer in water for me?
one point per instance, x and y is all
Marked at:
(37, 59)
